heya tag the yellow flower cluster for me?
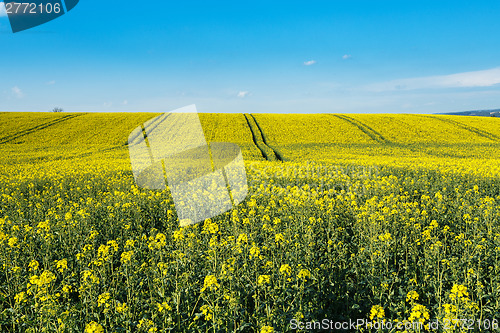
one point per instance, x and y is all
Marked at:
(210, 283)
(263, 279)
(377, 311)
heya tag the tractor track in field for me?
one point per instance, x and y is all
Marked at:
(276, 154)
(38, 127)
(96, 152)
(374, 135)
(76, 156)
(469, 128)
(260, 141)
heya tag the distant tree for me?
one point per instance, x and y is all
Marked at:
(57, 109)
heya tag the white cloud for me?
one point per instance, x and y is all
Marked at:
(125, 102)
(17, 92)
(346, 56)
(243, 94)
(2, 10)
(50, 83)
(484, 78)
(310, 62)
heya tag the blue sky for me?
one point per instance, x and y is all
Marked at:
(402, 56)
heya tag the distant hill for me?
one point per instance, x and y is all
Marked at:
(480, 113)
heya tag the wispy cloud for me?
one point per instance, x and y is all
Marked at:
(243, 94)
(346, 56)
(309, 62)
(125, 102)
(50, 83)
(484, 78)
(17, 92)
(2, 10)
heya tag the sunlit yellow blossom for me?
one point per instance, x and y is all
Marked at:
(385, 237)
(210, 226)
(263, 279)
(178, 235)
(242, 238)
(377, 311)
(207, 312)
(254, 252)
(279, 238)
(449, 308)
(130, 243)
(20, 298)
(121, 307)
(89, 277)
(459, 291)
(33, 265)
(46, 278)
(267, 329)
(412, 296)
(286, 270)
(113, 244)
(126, 257)
(163, 307)
(13, 242)
(93, 327)
(146, 325)
(103, 299)
(210, 283)
(157, 242)
(418, 313)
(93, 235)
(304, 274)
(62, 265)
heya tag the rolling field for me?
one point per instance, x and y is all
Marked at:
(380, 218)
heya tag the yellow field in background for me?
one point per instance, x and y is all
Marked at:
(380, 218)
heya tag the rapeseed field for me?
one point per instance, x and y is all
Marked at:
(381, 218)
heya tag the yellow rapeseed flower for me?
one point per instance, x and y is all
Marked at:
(385, 237)
(121, 307)
(267, 329)
(412, 296)
(13, 242)
(33, 265)
(163, 307)
(377, 311)
(61, 265)
(20, 298)
(93, 327)
(459, 291)
(254, 252)
(103, 299)
(242, 238)
(126, 257)
(419, 312)
(304, 274)
(279, 238)
(210, 283)
(210, 227)
(286, 270)
(263, 279)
